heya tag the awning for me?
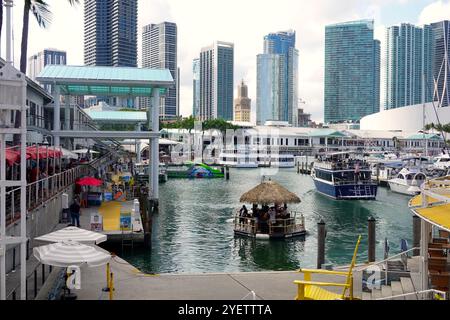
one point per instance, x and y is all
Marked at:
(438, 215)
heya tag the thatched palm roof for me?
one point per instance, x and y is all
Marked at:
(269, 192)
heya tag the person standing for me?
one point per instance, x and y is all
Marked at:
(75, 209)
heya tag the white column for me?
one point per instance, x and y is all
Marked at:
(57, 113)
(23, 198)
(138, 145)
(424, 230)
(154, 143)
(2, 217)
(8, 6)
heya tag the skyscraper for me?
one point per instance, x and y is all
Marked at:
(242, 104)
(159, 51)
(110, 33)
(38, 61)
(196, 87)
(277, 73)
(216, 81)
(352, 66)
(441, 63)
(408, 55)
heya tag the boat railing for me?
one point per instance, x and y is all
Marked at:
(341, 166)
(295, 223)
(339, 182)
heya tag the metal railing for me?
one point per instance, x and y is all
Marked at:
(252, 225)
(435, 295)
(38, 273)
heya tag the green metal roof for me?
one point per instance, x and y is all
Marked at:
(118, 116)
(326, 133)
(428, 136)
(106, 81)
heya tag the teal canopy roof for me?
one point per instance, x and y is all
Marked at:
(327, 133)
(118, 116)
(428, 136)
(106, 81)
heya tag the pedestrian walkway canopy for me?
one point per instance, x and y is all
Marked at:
(118, 116)
(106, 81)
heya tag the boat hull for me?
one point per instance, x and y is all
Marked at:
(347, 192)
(403, 188)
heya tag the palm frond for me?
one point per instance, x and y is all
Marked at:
(41, 12)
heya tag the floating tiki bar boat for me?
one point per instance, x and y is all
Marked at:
(276, 222)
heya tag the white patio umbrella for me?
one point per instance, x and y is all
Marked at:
(84, 151)
(70, 253)
(74, 234)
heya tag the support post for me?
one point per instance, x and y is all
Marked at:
(227, 173)
(416, 234)
(321, 235)
(372, 239)
(57, 114)
(154, 150)
(424, 254)
(138, 145)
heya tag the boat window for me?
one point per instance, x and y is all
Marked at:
(420, 176)
(400, 176)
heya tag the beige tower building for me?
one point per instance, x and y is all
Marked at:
(242, 104)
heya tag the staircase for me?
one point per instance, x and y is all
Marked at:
(404, 286)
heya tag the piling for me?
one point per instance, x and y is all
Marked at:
(371, 231)
(227, 173)
(321, 235)
(416, 234)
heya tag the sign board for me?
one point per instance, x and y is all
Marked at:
(96, 222)
(108, 196)
(125, 221)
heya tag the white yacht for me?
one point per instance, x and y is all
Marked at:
(408, 181)
(442, 162)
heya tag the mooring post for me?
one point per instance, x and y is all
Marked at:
(371, 231)
(227, 172)
(416, 234)
(321, 235)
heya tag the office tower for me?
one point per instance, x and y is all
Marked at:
(37, 63)
(159, 51)
(196, 88)
(242, 104)
(110, 33)
(408, 55)
(277, 79)
(441, 65)
(352, 65)
(216, 81)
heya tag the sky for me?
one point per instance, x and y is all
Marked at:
(243, 22)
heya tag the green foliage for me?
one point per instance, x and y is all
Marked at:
(438, 127)
(189, 123)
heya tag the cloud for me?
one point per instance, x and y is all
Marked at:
(434, 12)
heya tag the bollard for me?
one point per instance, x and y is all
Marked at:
(416, 234)
(371, 231)
(111, 286)
(321, 235)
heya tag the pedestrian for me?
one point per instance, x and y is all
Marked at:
(75, 210)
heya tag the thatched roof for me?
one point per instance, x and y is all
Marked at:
(269, 192)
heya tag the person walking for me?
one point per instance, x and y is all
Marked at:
(75, 209)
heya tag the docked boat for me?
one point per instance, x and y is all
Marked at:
(249, 158)
(442, 162)
(193, 170)
(341, 177)
(273, 219)
(408, 181)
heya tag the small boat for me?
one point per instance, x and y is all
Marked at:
(341, 177)
(442, 162)
(195, 171)
(265, 223)
(141, 172)
(408, 181)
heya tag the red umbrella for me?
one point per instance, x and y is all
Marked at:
(89, 181)
(33, 153)
(12, 156)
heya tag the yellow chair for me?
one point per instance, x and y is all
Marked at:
(311, 290)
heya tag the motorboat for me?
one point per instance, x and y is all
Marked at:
(341, 177)
(408, 181)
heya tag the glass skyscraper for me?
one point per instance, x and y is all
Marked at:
(159, 51)
(196, 88)
(408, 59)
(216, 81)
(110, 33)
(352, 71)
(277, 79)
(441, 63)
(37, 63)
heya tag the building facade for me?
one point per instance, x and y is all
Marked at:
(216, 81)
(277, 79)
(408, 66)
(441, 63)
(304, 119)
(242, 104)
(196, 87)
(38, 61)
(159, 51)
(352, 71)
(110, 33)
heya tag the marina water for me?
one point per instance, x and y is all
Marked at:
(193, 231)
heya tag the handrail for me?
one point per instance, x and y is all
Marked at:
(388, 259)
(443, 294)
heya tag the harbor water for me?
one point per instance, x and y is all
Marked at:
(193, 231)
